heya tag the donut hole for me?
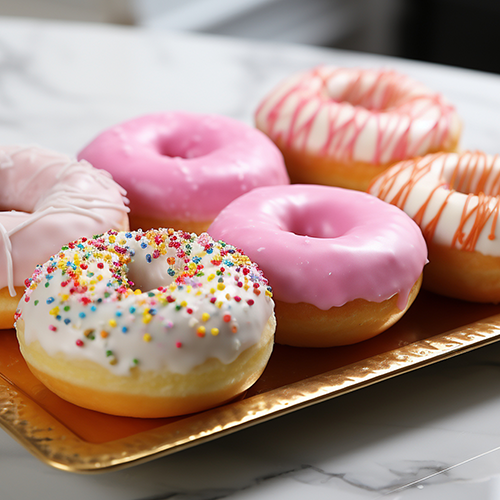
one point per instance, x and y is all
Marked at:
(310, 222)
(20, 196)
(186, 147)
(20, 207)
(473, 174)
(148, 276)
(316, 229)
(371, 90)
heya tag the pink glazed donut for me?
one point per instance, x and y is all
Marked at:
(343, 265)
(46, 200)
(181, 169)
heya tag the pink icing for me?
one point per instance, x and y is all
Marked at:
(186, 166)
(48, 199)
(324, 245)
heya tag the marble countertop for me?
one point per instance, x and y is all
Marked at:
(432, 433)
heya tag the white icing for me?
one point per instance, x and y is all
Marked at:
(441, 183)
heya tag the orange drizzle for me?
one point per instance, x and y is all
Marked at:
(430, 229)
(495, 210)
(483, 212)
(470, 176)
(495, 183)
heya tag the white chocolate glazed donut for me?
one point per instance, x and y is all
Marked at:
(199, 334)
(46, 200)
(343, 265)
(344, 126)
(455, 199)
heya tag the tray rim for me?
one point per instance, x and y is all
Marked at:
(54, 444)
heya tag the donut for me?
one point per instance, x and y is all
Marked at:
(344, 126)
(198, 334)
(180, 169)
(455, 199)
(46, 200)
(343, 265)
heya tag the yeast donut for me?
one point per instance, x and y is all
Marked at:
(344, 266)
(455, 199)
(344, 126)
(47, 199)
(200, 332)
(180, 169)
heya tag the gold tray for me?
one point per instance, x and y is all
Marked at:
(78, 440)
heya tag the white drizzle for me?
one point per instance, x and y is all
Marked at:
(55, 197)
(7, 245)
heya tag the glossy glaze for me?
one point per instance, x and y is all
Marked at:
(185, 166)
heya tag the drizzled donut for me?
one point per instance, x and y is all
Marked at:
(344, 126)
(46, 200)
(199, 333)
(180, 169)
(455, 199)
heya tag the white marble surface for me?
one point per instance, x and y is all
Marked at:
(429, 434)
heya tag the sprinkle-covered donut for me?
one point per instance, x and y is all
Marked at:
(455, 199)
(343, 265)
(180, 169)
(46, 200)
(344, 126)
(199, 333)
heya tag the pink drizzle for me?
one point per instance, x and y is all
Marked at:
(325, 246)
(401, 117)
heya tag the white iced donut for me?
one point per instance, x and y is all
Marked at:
(46, 200)
(455, 199)
(200, 332)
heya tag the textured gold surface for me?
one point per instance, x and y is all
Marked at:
(295, 378)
